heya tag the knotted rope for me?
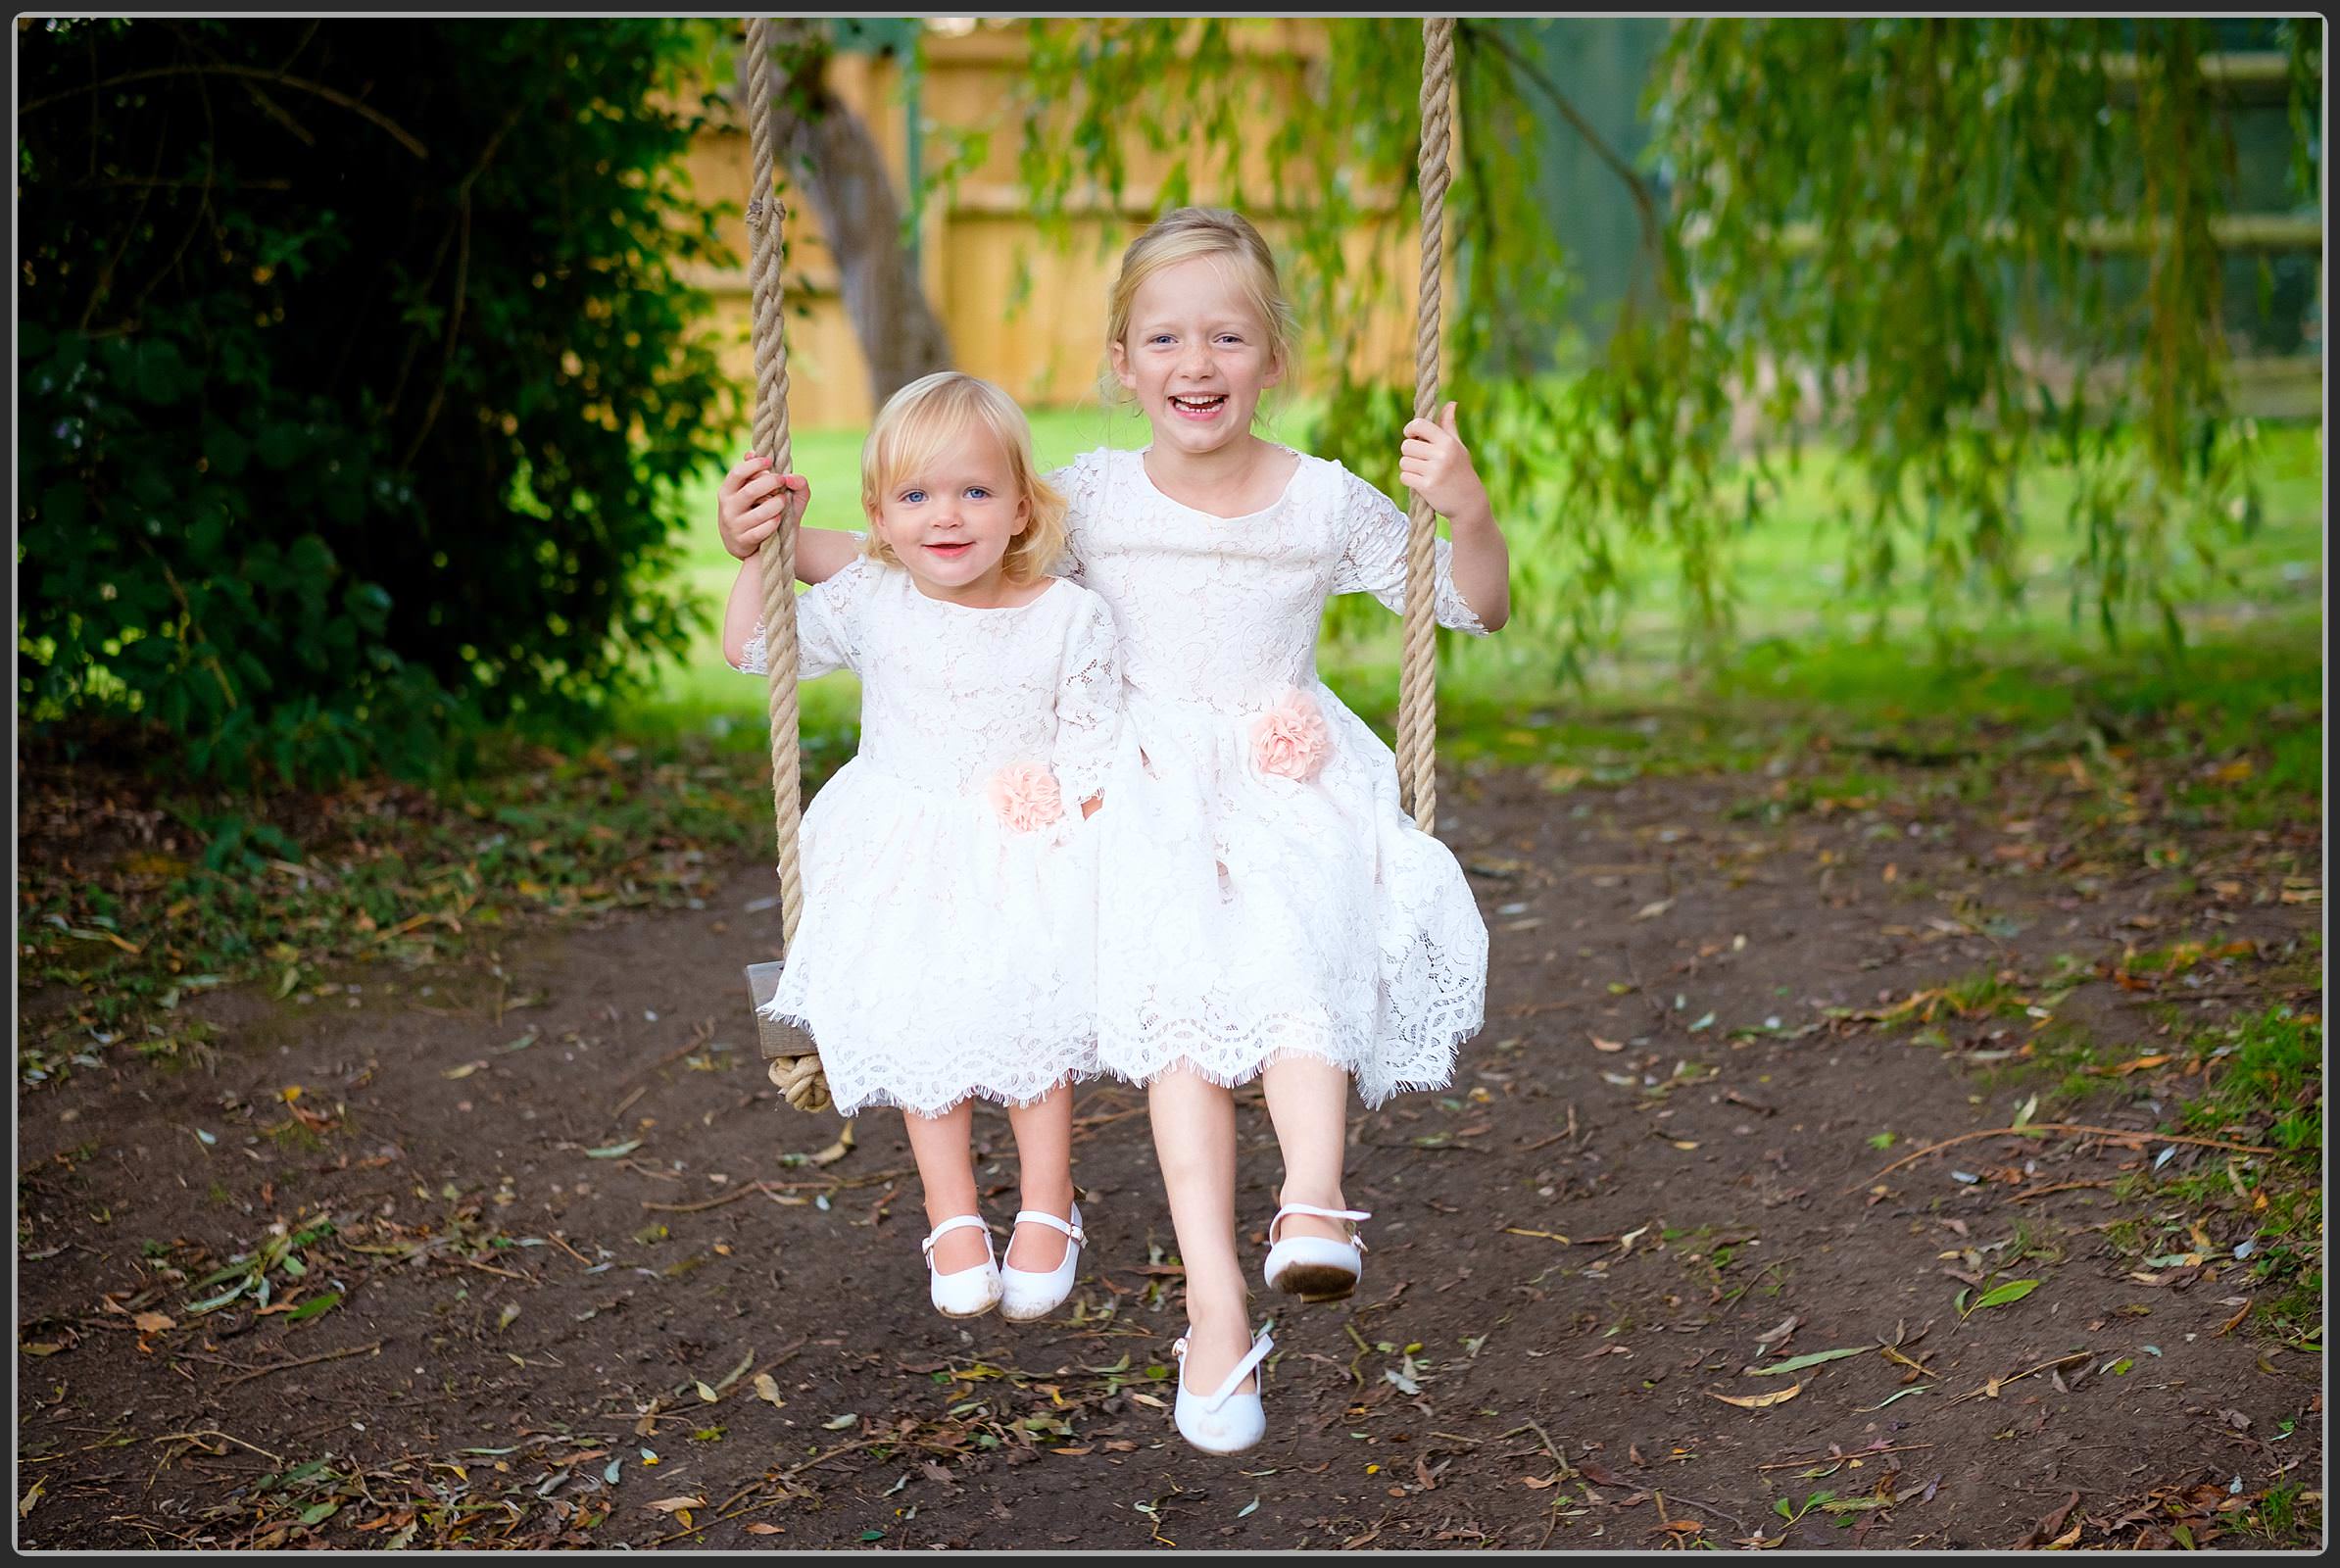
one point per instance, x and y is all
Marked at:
(799, 1077)
(1417, 680)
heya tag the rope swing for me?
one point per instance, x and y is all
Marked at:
(793, 1064)
(1417, 674)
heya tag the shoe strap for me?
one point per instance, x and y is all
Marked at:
(955, 1222)
(1258, 1353)
(1352, 1215)
(1040, 1216)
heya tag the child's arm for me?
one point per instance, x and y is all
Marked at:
(825, 618)
(743, 614)
(1435, 465)
(1374, 534)
(1088, 707)
(750, 503)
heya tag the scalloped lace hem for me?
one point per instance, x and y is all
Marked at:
(1077, 1066)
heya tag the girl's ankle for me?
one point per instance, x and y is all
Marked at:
(1049, 1200)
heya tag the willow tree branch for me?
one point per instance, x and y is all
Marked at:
(1644, 199)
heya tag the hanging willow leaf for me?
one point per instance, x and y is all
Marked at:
(1943, 222)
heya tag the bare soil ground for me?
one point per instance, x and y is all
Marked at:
(546, 1263)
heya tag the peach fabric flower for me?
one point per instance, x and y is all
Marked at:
(1290, 739)
(1025, 796)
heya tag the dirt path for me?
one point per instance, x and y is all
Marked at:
(550, 1224)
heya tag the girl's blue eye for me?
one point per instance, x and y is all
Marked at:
(913, 496)
(978, 492)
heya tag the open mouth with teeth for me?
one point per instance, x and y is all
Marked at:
(1199, 408)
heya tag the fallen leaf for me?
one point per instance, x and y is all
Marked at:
(760, 1528)
(1770, 1338)
(464, 1071)
(2002, 1294)
(2228, 1326)
(1757, 1402)
(2048, 1526)
(1651, 911)
(676, 1504)
(614, 1151)
(838, 1423)
(706, 1395)
(25, 1502)
(767, 1390)
(1149, 1399)
(156, 1322)
(1918, 1387)
(1799, 1362)
(1598, 1044)
(314, 1306)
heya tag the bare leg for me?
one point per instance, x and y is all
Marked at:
(1043, 1169)
(944, 1148)
(1308, 1100)
(1193, 1142)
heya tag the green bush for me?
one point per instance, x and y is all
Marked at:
(355, 377)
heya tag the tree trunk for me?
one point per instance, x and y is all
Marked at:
(831, 153)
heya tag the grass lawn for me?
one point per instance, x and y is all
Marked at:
(1799, 631)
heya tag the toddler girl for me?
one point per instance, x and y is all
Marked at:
(946, 946)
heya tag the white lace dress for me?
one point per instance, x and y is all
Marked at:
(1263, 894)
(947, 947)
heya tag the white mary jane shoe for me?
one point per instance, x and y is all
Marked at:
(1224, 1422)
(1026, 1294)
(1314, 1267)
(971, 1292)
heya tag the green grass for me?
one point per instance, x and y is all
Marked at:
(1806, 661)
(2257, 1079)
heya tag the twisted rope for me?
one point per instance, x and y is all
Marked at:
(1416, 681)
(799, 1078)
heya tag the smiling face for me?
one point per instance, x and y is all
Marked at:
(949, 517)
(1196, 356)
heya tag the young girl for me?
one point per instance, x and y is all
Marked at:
(1266, 908)
(946, 946)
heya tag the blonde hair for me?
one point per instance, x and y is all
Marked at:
(1181, 235)
(922, 419)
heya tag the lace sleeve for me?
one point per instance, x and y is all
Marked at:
(1082, 484)
(825, 623)
(1088, 702)
(1373, 558)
